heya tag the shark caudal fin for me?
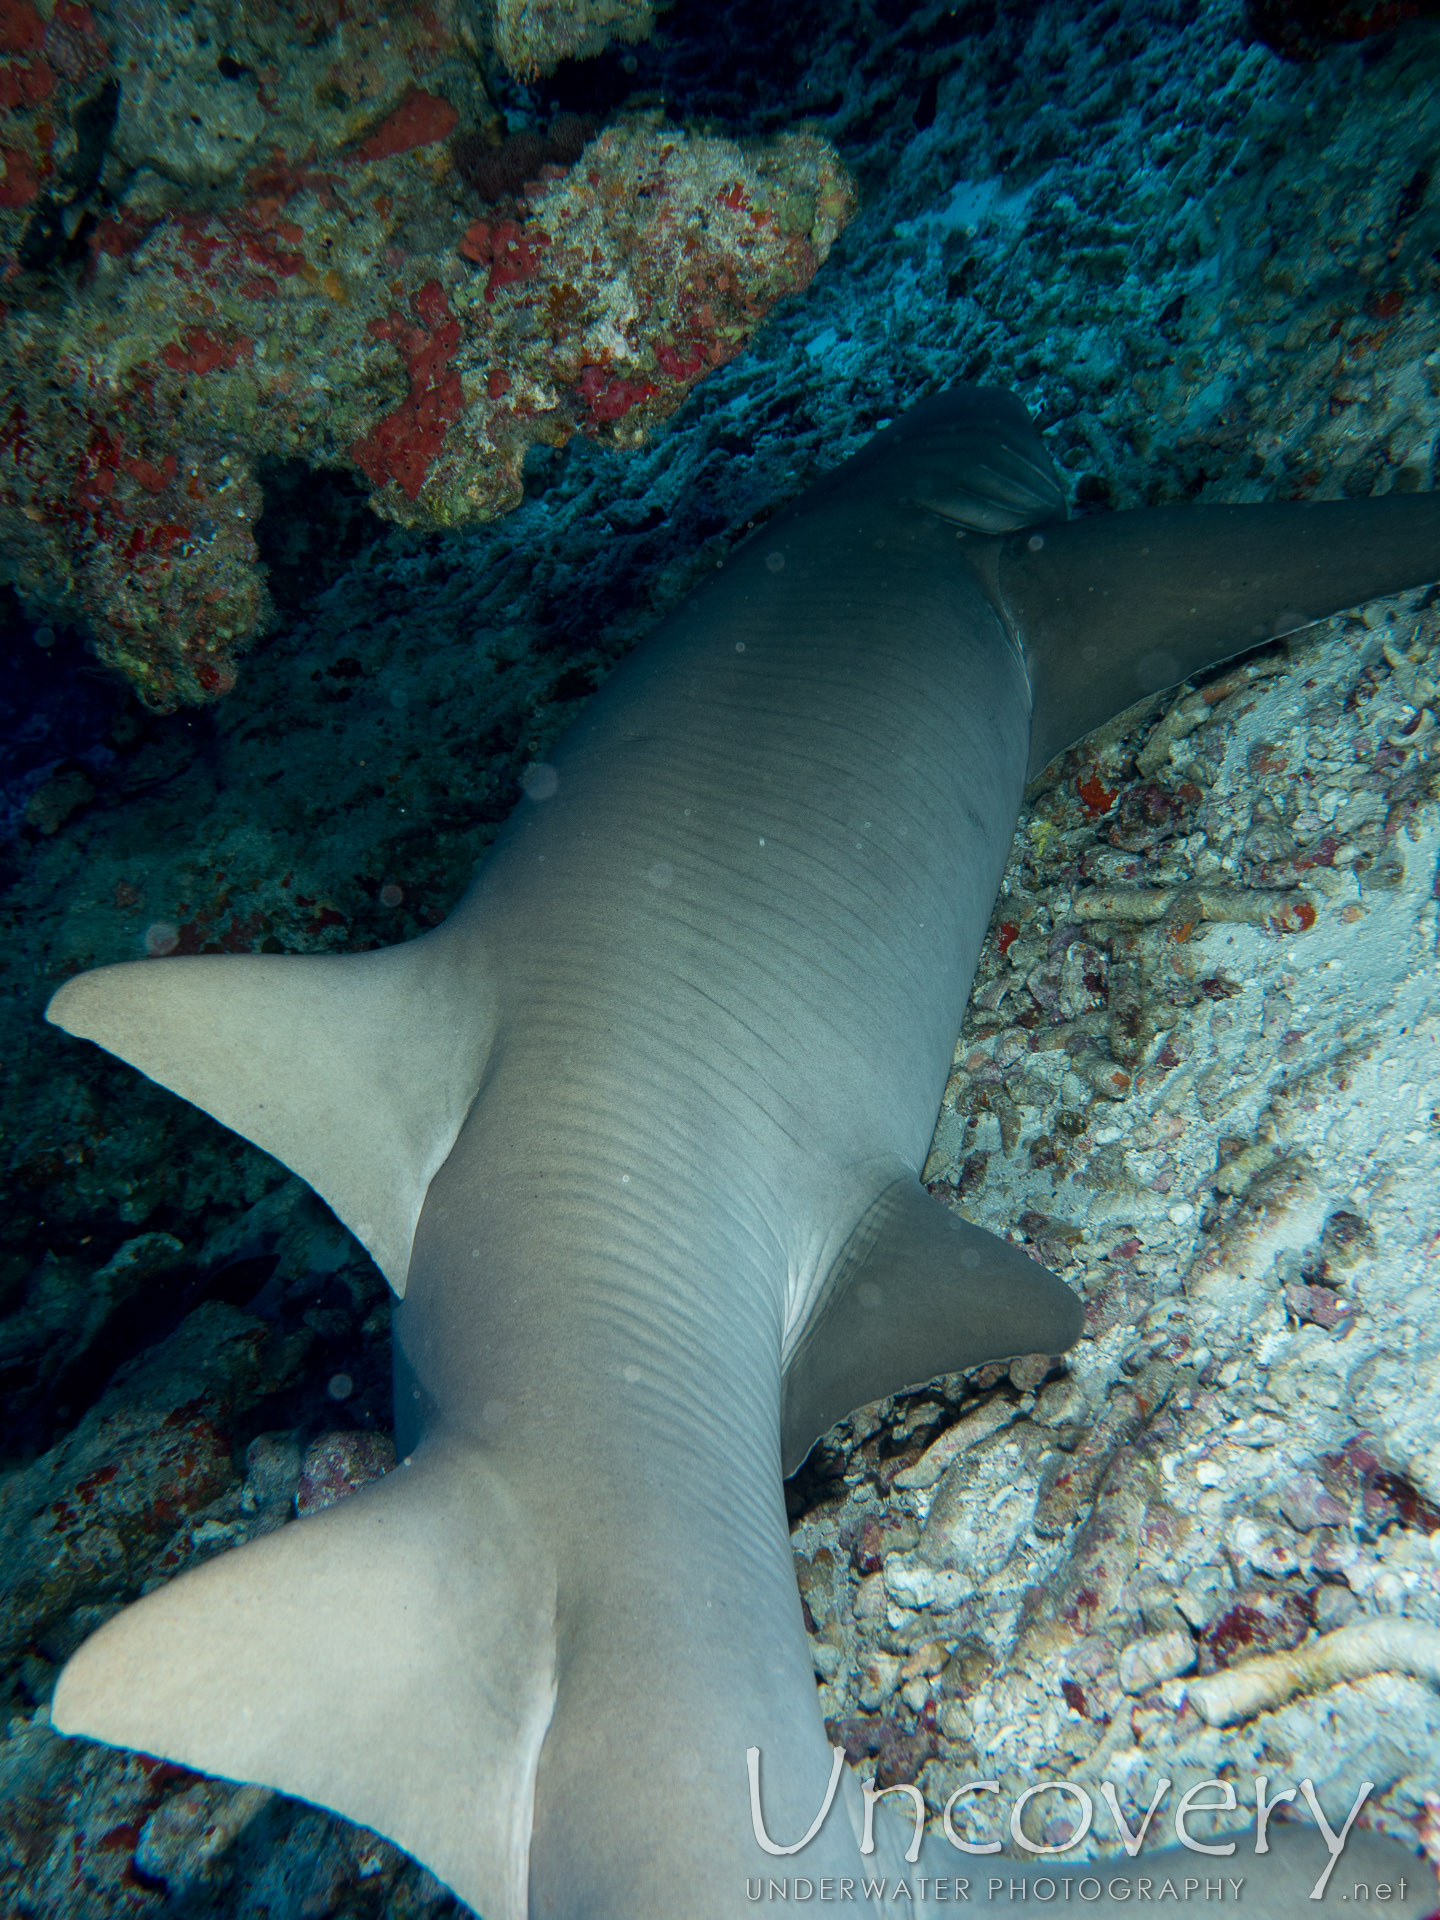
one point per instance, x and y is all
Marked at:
(1120, 605)
(391, 1658)
(916, 1291)
(356, 1070)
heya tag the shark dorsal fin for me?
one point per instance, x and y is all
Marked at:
(355, 1070)
(916, 1291)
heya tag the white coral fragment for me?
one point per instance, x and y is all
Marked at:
(1389, 1644)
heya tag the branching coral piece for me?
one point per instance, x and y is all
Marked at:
(1284, 911)
(1389, 1644)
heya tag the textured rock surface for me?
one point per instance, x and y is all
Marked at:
(533, 36)
(1210, 270)
(243, 278)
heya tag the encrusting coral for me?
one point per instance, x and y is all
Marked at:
(368, 288)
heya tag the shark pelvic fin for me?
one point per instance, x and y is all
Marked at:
(356, 1070)
(1119, 605)
(391, 1658)
(916, 1291)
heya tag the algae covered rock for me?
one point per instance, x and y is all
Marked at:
(534, 36)
(316, 276)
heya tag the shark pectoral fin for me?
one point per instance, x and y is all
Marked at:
(1119, 605)
(916, 1291)
(391, 1658)
(356, 1070)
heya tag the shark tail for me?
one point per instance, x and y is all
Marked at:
(1120, 605)
(356, 1070)
(391, 1658)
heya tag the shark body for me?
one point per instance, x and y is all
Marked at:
(636, 1134)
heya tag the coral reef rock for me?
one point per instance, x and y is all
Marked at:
(534, 36)
(243, 255)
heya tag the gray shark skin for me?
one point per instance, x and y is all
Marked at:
(636, 1134)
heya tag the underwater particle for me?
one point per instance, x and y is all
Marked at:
(340, 1386)
(160, 937)
(539, 781)
(392, 895)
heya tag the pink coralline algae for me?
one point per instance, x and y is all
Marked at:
(353, 302)
(420, 119)
(48, 60)
(405, 444)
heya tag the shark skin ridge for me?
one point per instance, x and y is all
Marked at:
(637, 1133)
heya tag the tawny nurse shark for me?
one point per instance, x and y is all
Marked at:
(636, 1133)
